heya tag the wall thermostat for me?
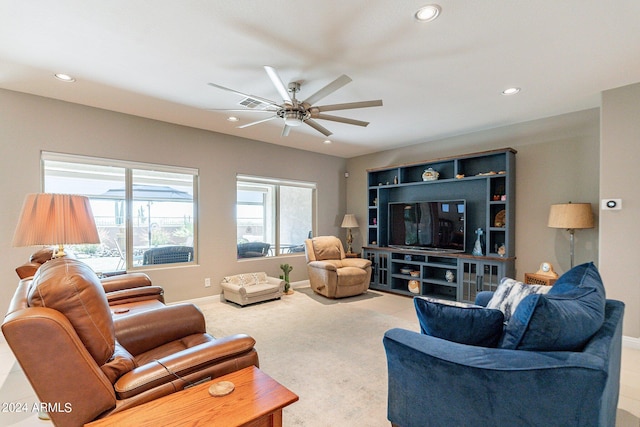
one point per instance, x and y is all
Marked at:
(611, 204)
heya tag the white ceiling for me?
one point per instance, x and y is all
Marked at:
(154, 59)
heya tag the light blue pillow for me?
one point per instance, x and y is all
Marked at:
(562, 320)
(459, 322)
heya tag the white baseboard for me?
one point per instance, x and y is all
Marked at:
(201, 300)
(631, 342)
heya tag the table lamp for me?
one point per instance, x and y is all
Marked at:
(571, 216)
(349, 222)
(55, 219)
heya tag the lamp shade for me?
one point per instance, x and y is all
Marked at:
(571, 216)
(55, 219)
(349, 221)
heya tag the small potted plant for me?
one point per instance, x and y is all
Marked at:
(286, 269)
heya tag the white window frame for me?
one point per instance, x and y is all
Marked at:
(242, 179)
(129, 166)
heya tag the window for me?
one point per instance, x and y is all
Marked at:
(145, 213)
(273, 217)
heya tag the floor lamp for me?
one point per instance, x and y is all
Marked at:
(55, 219)
(571, 216)
(349, 222)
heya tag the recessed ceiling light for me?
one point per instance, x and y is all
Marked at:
(428, 13)
(326, 141)
(511, 91)
(232, 118)
(64, 77)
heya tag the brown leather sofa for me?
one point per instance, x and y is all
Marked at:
(331, 273)
(78, 355)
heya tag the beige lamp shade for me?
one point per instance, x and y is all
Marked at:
(55, 219)
(349, 221)
(571, 216)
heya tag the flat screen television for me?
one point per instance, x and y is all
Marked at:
(430, 225)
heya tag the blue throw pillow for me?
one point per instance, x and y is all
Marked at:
(458, 322)
(562, 320)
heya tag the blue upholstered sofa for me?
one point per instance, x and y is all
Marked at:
(438, 382)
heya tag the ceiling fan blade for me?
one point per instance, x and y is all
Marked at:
(285, 130)
(318, 127)
(277, 82)
(257, 122)
(264, 100)
(328, 89)
(339, 119)
(257, 110)
(348, 105)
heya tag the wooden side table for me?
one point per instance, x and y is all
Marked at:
(352, 255)
(538, 279)
(256, 401)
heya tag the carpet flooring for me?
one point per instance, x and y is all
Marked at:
(328, 352)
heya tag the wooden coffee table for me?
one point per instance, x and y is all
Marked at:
(257, 401)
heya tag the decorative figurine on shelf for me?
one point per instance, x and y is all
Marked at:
(449, 276)
(502, 250)
(477, 247)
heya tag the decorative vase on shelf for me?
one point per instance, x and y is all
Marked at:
(414, 286)
(430, 175)
(477, 247)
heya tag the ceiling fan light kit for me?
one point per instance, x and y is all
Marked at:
(294, 112)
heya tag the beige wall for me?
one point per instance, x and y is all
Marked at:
(29, 124)
(557, 162)
(559, 159)
(620, 230)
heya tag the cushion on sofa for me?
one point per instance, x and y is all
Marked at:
(459, 322)
(509, 294)
(562, 320)
(247, 279)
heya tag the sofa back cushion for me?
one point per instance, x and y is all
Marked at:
(562, 320)
(72, 288)
(247, 279)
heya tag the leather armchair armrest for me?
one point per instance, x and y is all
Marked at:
(144, 331)
(136, 294)
(28, 269)
(323, 265)
(181, 364)
(356, 262)
(125, 281)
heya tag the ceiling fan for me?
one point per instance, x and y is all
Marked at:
(294, 112)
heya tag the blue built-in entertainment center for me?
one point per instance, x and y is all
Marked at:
(424, 220)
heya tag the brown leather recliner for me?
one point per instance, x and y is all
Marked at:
(126, 293)
(76, 355)
(331, 273)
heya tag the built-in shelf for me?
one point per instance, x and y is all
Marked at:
(486, 181)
